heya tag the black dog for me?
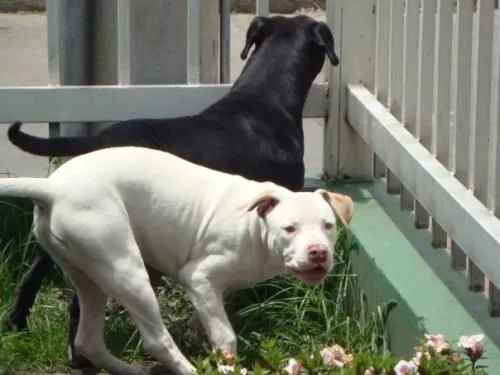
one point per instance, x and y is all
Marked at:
(255, 130)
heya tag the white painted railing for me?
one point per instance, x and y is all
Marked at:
(57, 104)
(114, 103)
(425, 100)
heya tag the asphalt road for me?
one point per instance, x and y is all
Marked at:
(23, 62)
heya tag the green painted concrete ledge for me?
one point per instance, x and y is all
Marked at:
(396, 261)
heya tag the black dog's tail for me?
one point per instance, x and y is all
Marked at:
(60, 146)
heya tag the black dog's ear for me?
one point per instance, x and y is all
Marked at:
(323, 37)
(256, 33)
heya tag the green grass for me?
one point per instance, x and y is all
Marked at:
(298, 317)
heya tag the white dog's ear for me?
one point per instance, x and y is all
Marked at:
(264, 203)
(341, 204)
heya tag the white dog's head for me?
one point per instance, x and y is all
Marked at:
(301, 229)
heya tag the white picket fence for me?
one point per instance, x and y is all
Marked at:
(428, 108)
(417, 86)
(55, 103)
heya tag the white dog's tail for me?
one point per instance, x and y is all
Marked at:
(37, 189)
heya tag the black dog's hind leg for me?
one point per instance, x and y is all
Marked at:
(28, 288)
(75, 360)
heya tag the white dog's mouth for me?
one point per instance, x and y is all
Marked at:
(311, 275)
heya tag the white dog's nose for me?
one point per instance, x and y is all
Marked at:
(317, 253)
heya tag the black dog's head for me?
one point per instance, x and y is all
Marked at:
(303, 30)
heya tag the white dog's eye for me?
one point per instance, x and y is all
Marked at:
(289, 229)
(328, 226)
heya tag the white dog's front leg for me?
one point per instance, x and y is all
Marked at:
(207, 299)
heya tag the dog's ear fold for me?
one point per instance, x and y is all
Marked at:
(323, 37)
(264, 203)
(256, 33)
(341, 204)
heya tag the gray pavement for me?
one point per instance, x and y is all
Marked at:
(23, 62)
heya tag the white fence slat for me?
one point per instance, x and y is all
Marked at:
(54, 45)
(331, 129)
(426, 73)
(68, 49)
(442, 93)
(493, 299)
(406, 200)
(54, 49)
(114, 103)
(123, 41)
(421, 216)
(395, 75)
(410, 81)
(446, 199)
(262, 8)
(379, 168)
(462, 94)
(476, 277)
(393, 185)
(410, 57)
(396, 57)
(462, 108)
(458, 257)
(425, 89)
(353, 27)
(382, 35)
(481, 102)
(493, 290)
(193, 25)
(497, 154)
(382, 31)
(440, 141)
(439, 236)
(225, 41)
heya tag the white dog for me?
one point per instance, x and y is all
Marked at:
(104, 215)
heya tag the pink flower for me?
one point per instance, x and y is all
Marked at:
(329, 358)
(405, 368)
(335, 356)
(293, 367)
(369, 371)
(473, 345)
(437, 342)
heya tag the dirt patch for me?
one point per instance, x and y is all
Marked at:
(243, 6)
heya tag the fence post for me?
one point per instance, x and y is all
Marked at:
(158, 43)
(67, 31)
(353, 26)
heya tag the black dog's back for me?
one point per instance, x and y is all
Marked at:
(261, 146)
(255, 130)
